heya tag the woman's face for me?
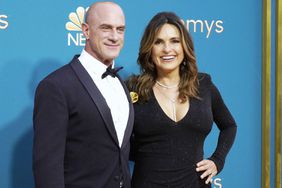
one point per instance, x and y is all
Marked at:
(167, 51)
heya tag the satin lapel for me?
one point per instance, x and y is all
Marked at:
(129, 127)
(96, 96)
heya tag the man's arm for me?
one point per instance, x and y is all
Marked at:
(50, 120)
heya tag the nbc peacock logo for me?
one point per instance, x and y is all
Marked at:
(75, 36)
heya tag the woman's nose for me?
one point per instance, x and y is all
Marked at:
(166, 48)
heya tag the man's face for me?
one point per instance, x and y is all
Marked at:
(105, 33)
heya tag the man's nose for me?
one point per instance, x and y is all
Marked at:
(114, 36)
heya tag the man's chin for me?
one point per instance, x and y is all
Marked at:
(112, 56)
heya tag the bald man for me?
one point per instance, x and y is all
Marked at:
(83, 115)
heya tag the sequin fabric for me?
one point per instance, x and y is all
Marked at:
(166, 152)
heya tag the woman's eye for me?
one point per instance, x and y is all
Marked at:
(158, 42)
(175, 41)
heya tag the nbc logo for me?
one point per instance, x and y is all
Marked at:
(3, 22)
(75, 36)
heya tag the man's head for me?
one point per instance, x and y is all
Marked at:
(104, 29)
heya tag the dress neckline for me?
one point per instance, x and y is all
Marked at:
(166, 116)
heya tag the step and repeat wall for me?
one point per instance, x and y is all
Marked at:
(37, 37)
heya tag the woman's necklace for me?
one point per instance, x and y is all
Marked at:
(166, 86)
(172, 101)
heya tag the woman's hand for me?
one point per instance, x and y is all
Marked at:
(209, 169)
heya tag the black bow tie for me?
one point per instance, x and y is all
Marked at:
(111, 71)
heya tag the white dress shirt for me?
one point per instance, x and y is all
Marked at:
(112, 91)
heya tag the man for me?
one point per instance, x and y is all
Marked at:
(83, 116)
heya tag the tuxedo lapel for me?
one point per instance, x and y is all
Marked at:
(96, 96)
(129, 126)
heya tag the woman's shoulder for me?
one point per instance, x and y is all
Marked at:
(204, 78)
(204, 83)
(131, 82)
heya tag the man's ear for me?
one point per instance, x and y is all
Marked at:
(85, 30)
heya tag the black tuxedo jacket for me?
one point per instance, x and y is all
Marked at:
(75, 142)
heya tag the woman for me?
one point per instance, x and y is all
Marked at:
(175, 111)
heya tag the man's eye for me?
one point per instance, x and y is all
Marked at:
(121, 30)
(105, 28)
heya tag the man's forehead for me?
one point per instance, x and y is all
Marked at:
(109, 18)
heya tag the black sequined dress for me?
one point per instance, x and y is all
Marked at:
(166, 152)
